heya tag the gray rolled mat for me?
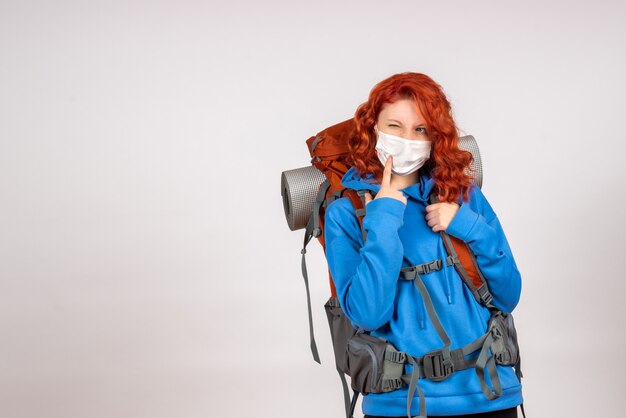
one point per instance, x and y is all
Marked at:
(299, 188)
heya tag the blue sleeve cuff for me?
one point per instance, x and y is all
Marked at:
(463, 222)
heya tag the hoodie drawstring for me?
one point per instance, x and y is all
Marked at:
(448, 289)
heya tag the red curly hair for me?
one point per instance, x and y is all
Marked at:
(447, 163)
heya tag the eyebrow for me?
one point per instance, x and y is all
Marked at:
(397, 121)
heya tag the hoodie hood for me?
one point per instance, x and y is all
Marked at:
(419, 191)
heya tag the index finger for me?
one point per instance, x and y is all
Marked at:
(387, 171)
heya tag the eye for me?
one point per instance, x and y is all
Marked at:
(423, 129)
(393, 125)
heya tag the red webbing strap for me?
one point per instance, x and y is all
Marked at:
(465, 258)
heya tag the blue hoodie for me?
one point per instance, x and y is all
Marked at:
(374, 298)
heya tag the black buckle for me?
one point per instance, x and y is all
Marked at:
(432, 266)
(434, 368)
(502, 358)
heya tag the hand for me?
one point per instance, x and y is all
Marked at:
(385, 186)
(440, 215)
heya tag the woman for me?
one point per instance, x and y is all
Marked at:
(405, 147)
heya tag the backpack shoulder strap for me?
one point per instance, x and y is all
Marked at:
(357, 197)
(465, 264)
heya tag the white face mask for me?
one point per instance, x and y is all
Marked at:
(408, 155)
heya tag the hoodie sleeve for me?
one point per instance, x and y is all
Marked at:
(477, 224)
(365, 276)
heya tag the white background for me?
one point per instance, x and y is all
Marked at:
(146, 268)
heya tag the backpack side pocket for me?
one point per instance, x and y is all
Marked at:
(341, 330)
(505, 348)
(366, 361)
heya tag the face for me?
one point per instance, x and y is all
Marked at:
(402, 118)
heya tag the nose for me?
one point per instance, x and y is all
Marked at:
(413, 135)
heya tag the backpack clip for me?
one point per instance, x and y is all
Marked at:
(434, 367)
(432, 266)
(395, 356)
